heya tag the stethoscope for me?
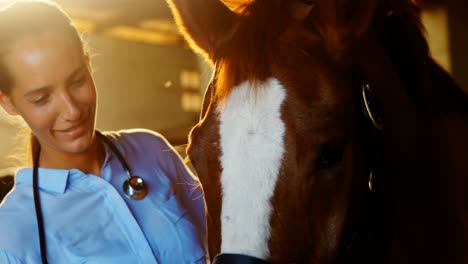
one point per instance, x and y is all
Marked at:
(134, 188)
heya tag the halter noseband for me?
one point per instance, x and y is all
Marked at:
(227, 258)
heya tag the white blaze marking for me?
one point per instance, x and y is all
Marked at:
(252, 147)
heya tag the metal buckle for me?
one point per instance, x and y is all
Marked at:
(371, 106)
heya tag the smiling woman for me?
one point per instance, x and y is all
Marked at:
(53, 92)
(78, 172)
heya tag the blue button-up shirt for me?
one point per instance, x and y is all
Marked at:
(88, 219)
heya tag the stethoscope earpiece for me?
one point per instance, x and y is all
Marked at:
(135, 188)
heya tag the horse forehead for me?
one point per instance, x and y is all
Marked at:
(311, 75)
(251, 116)
(254, 100)
(250, 106)
(302, 99)
(251, 111)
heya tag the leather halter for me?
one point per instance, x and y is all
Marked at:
(366, 238)
(371, 237)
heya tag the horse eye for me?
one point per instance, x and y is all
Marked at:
(330, 155)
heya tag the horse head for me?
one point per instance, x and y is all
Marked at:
(282, 148)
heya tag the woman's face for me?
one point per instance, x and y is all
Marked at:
(53, 91)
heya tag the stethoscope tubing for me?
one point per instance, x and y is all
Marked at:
(37, 206)
(134, 188)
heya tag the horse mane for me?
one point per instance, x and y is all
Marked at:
(434, 94)
(247, 55)
(403, 38)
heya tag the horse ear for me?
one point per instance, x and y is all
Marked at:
(205, 24)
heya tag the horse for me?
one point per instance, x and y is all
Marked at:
(327, 134)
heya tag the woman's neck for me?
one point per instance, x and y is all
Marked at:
(89, 161)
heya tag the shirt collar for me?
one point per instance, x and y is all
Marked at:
(54, 180)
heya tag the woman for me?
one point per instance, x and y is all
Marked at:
(72, 207)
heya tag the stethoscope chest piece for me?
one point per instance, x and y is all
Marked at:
(135, 188)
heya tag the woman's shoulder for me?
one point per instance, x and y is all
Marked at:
(16, 205)
(17, 221)
(137, 137)
(145, 147)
